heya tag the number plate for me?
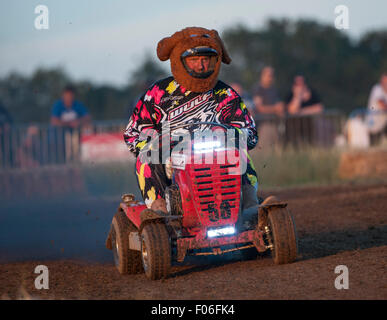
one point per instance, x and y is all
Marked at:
(178, 161)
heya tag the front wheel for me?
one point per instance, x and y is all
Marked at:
(155, 250)
(126, 261)
(282, 233)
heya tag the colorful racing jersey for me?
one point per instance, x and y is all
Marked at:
(166, 100)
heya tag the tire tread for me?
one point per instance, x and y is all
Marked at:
(284, 236)
(130, 260)
(159, 250)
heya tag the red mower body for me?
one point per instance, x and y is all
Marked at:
(210, 193)
(209, 211)
(211, 198)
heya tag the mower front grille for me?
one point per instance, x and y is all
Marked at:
(214, 188)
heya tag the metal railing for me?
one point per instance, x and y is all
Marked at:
(299, 131)
(38, 145)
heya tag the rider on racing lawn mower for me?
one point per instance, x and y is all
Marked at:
(191, 207)
(196, 55)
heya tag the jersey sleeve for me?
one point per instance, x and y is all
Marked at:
(146, 119)
(140, 121)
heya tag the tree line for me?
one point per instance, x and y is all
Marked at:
(340, 68)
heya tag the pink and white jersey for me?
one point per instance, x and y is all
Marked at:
(166, 100)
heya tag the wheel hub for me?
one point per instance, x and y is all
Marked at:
(115, 249)
(144, 254)
(269, 237)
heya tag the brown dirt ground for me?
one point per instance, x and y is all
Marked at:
(337, 225)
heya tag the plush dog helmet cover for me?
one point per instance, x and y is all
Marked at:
(173, 47)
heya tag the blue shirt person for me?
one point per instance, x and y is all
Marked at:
(69, 113)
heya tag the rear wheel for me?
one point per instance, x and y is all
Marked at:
(126, 261)
(155, 250)
(282, 235)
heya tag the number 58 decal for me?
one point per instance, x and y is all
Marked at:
(225, 211)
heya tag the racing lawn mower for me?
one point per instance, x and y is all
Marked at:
(209, 213)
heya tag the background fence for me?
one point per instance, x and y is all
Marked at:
(36, 145)
(29, 146)
(299, 131)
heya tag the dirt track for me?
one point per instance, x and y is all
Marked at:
(342, 225)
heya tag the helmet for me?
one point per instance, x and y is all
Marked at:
(196, 55)
(200, 62)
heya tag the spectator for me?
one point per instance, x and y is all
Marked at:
(266, 98)
(68, 116)
(5, 117)
(69, 113)
(6, 154)
(29, 152)
(268, 107)
(303, 99)
(378, 96)
(377, 106)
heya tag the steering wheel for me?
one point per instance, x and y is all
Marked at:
(190, 127)
(224, 126)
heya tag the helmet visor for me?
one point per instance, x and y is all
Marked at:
(200, 62)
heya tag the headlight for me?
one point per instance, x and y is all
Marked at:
(206, 146)
(218, 232)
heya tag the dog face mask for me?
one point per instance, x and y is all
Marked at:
(196, 55)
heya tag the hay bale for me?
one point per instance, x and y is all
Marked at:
(360, 163)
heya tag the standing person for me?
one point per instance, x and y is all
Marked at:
(265, 94)
(6, 154)
(68, 112)
(377, 110)
(193, 94)
(5, 117)
(68, 117)
(303, 99)
(269, 109)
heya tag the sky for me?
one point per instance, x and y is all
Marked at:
(103, 40)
